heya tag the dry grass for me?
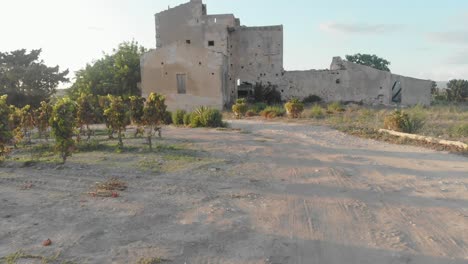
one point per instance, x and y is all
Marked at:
(108, 188)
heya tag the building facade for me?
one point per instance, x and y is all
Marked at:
(203, 59)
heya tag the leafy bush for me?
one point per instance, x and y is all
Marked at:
(206, 117)
(167, 120)
(186, 119)
(316, 112)
(273, 111)
(294, 108)
(335, 107)
(240, 108)
(212, 118)
(266, 94)
(402, 122)
(178, 117)
(63, 124)
(311, 99)
(258, 107)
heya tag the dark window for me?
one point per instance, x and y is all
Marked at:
(181, 81)
(211, 43)
(188, 41)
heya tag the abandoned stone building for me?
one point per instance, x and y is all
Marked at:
(208, 60)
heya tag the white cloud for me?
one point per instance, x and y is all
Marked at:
(359, 28)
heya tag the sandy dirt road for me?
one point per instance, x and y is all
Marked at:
(273, 193)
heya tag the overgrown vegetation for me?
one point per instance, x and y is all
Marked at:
(240, 108)
(403, 122)
(206, 117)
(294, 108)
(178, 117)
(316, 112)
(273, 111)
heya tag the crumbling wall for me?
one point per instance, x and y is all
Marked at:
(352, 82)
(414, 91)
(205, 73)
(256, 54)
(179, 24)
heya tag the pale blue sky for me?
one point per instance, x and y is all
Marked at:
(422, 38)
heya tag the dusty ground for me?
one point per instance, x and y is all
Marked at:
(273, 193)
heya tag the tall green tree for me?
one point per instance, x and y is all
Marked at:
(457, 90)
(117, 73)
(26, 79)
(370, 60)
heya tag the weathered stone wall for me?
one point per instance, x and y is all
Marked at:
(205, 76)
(353, 82)
(179, 24)
(256, 54)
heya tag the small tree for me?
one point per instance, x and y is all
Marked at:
(63, 123)
(153, 115)
(240, 108)
(27, 122)
(14, 122)
(5, 131)
(369, 60)
(85, 113)
(457, 90)
(294, 108)
(42, 116)
(103, 103)
(137, 105)
(118, 116)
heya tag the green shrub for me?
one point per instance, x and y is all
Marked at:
(206, 117)
(335, 107)
(212, 118)
(316, 112)
(178, 117)
(195, 120)
(402, 122)
(258, 107)
(273, 111)
(167, 118)
(240, 108)
(460, 130)
(312, 99)
(294, 108)
(187, 119)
